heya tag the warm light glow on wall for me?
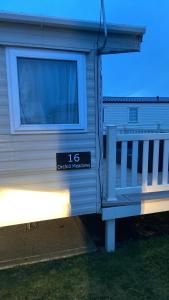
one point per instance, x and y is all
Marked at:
(23, 206)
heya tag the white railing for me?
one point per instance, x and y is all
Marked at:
(137, 161)
(138, 128)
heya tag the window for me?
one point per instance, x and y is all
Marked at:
(46, 90)
(133, 115)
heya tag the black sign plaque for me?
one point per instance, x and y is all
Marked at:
(73, 161)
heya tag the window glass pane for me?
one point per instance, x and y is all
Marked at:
(133, 115)
(48, 91)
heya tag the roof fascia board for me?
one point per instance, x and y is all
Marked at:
(65, 23)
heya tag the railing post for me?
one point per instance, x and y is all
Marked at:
(111, 163)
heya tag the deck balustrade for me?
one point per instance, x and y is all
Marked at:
(137, 161)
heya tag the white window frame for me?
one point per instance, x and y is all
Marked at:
(13, 90)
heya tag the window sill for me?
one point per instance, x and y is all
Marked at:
(56, 131)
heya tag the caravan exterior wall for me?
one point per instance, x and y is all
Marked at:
(28, 161)
(31, 188)
(149, 115)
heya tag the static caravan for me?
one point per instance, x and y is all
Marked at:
(49, 115)
(144, 112)
(51, 123)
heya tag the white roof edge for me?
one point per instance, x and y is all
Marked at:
(69, 23)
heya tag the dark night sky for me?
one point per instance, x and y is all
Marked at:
(138, 74)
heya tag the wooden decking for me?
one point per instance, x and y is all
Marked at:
(137, 198)
(135, 205)
(158, 200)
(136, 177)
(122, 198)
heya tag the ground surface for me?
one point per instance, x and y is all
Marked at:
(43, 240)
(138, 270)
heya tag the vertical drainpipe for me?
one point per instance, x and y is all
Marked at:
(100, 100)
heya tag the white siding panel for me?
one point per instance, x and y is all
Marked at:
(4, 121)
(4, 129)
(31, 179)
(3, 96)
(13, 156)
(28, 162)
(4, 112)
(149, 114)
(45, 138)
(41, 148)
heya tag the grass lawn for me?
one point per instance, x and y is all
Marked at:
(138, 270)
